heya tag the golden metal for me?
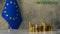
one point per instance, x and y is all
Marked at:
(42, 28)
(30, 27)
(43, 24)
(36, 26)
(33, 29)
(51, 27)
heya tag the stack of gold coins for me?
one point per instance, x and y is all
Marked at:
(36, 28)
(51, 27)
(33, 28)
(30, 27)
(43, 24)
(42, 28)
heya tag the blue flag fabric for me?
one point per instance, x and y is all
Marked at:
(12, 14)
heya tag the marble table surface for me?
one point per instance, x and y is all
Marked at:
(26, 32)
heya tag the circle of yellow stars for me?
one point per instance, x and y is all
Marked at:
(11, 18)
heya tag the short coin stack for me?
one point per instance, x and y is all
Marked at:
(42, 28)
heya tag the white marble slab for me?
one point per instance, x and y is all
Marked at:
(26, 32)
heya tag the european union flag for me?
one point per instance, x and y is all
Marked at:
(12, 14)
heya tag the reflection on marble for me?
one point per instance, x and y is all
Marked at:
(26, 32)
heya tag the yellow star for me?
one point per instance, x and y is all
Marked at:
(5, 7)
(14, 3)
(4, 11)
(16, 6)
(11, 2)
(7, 15)
(17, 14)
(13, 18)
(7, 4)
(10, 18)
(17, 10)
